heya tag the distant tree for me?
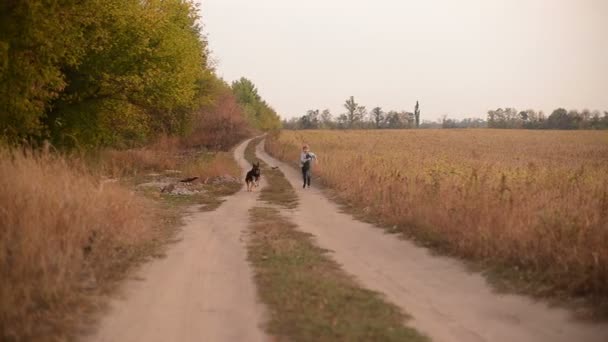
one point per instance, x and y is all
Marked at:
(464, 123)
(352, 112)
(560, 119)
(530, 119)
(448, 123)
(396, 119)
(326, 119)
(310, 120)
(392, 119)
(504, 118)
(342, 121)
(523, 115)
(417, 114)
(431, 124)
(360, 116)
(377, 116)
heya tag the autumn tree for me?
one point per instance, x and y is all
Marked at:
(258, 112)
(92, 73)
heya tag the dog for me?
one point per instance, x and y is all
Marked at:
(253, 177)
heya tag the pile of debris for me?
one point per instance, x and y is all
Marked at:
(221, 180)
(186, 186)
(180, 189)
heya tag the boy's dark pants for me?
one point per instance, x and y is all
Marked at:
(306, 175)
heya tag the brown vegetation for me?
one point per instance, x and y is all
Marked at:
(221, 125)
(533, 204)
(67, 232)
(63, 234)
(167, 153)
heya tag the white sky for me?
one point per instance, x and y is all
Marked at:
(458, 58)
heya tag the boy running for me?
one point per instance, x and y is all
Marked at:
(306, 159)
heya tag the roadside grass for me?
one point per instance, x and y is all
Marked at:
(310, 298)
(65, 239)
(72, 229)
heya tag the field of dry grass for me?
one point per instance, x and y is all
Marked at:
(63, 235)
(68, 232)
(530, 203)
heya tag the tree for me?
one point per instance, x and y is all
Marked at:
(221, 124)
(352, 115)
(93, 73)
(504, 118)
(377, 116)
(326, 119)
(393, 120)
(417, 114)
(310, 120)
(259, 113)
(360, 116)
(342, 121)
(560, 119)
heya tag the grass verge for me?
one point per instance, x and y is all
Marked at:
(309, 296)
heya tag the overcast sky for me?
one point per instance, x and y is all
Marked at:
(457, 57)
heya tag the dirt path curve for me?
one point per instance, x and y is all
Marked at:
(202, 291)
(447, 302)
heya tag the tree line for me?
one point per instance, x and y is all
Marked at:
(356, 117)
(112, 73)
(511, 118)
(559, 119)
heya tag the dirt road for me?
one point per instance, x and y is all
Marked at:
(448, 303)
(202, 291)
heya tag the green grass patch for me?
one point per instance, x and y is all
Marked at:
(309, 297)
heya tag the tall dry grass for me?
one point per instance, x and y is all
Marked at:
(167, 153)
(63, 234)
(531, 201)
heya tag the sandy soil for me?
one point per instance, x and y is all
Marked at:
(447, 302)
(202, 291)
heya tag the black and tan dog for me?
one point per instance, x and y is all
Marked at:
(253, 177)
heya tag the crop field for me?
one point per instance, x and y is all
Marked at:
(534, 203)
